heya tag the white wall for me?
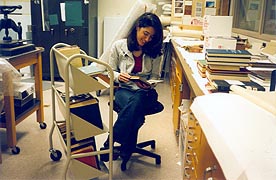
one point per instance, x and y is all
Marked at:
(110, 8)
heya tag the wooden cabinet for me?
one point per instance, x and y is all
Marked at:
(199, 162)
(176, 89)
(197, 158)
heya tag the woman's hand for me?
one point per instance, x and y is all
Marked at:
(142, 85)
(124, 77)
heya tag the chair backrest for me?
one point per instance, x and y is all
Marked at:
(273, 80)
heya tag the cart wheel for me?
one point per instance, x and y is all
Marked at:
(15, 150)
(42, 125)
(98, 93)
(55, 155)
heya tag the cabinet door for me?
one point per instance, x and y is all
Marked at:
(44, 35)
(208, 166)
(74, 30)
(51, 24)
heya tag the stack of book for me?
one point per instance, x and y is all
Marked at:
(224, 64)
(261, 76)
(201, 66)
(224, 85)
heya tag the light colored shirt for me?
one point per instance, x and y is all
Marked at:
(122, 60)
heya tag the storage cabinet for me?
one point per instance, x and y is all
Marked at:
(197, 159)
(49, 27)
(176, 89)
(81, 112)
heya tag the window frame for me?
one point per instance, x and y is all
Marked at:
(259, 35)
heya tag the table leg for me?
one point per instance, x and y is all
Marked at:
(9, 109)
(38, 88)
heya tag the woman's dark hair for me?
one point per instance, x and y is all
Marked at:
(154, 47)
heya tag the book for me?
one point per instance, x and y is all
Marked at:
(224, 67)
(262, 64)
(88, 160)
(68, 51)
(241, 64)
(227, 59)
(224, 85)
(152, 82)
(262, 77)
(227, 76)
(202, 74)
(201, 66)
(241, 71)
(261, 74)
(228, 53)
(91, 69)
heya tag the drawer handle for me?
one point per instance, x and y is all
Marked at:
(187, 158)
(209, 170)
(185, 171)
(190, 147)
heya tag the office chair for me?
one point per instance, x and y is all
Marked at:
(139, 146)
(273, 81)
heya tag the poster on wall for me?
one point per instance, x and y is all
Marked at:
(253, 10)
(188, 8)
(210, 7)
(198, 9)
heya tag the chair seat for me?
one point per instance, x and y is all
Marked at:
(158, 107)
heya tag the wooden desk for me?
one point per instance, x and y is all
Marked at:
(198, 160)
(21, 61)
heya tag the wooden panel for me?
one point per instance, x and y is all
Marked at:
(224, 7)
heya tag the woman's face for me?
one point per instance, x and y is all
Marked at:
(144, 35)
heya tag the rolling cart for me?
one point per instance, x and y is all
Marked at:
(81, 112)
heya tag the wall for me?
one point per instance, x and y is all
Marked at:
(106, 9)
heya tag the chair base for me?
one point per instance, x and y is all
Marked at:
(139, 150)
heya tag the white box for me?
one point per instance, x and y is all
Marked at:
(217, 26)
(21, 89)
(220, 43)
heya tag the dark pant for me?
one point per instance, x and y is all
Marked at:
(133, 106)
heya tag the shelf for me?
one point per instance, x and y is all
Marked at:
(28, 108)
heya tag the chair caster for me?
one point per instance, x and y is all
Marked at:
(158, 161)
(123, 166)
(105, 157)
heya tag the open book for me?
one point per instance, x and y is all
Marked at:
(91, 69)
(152, 82)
